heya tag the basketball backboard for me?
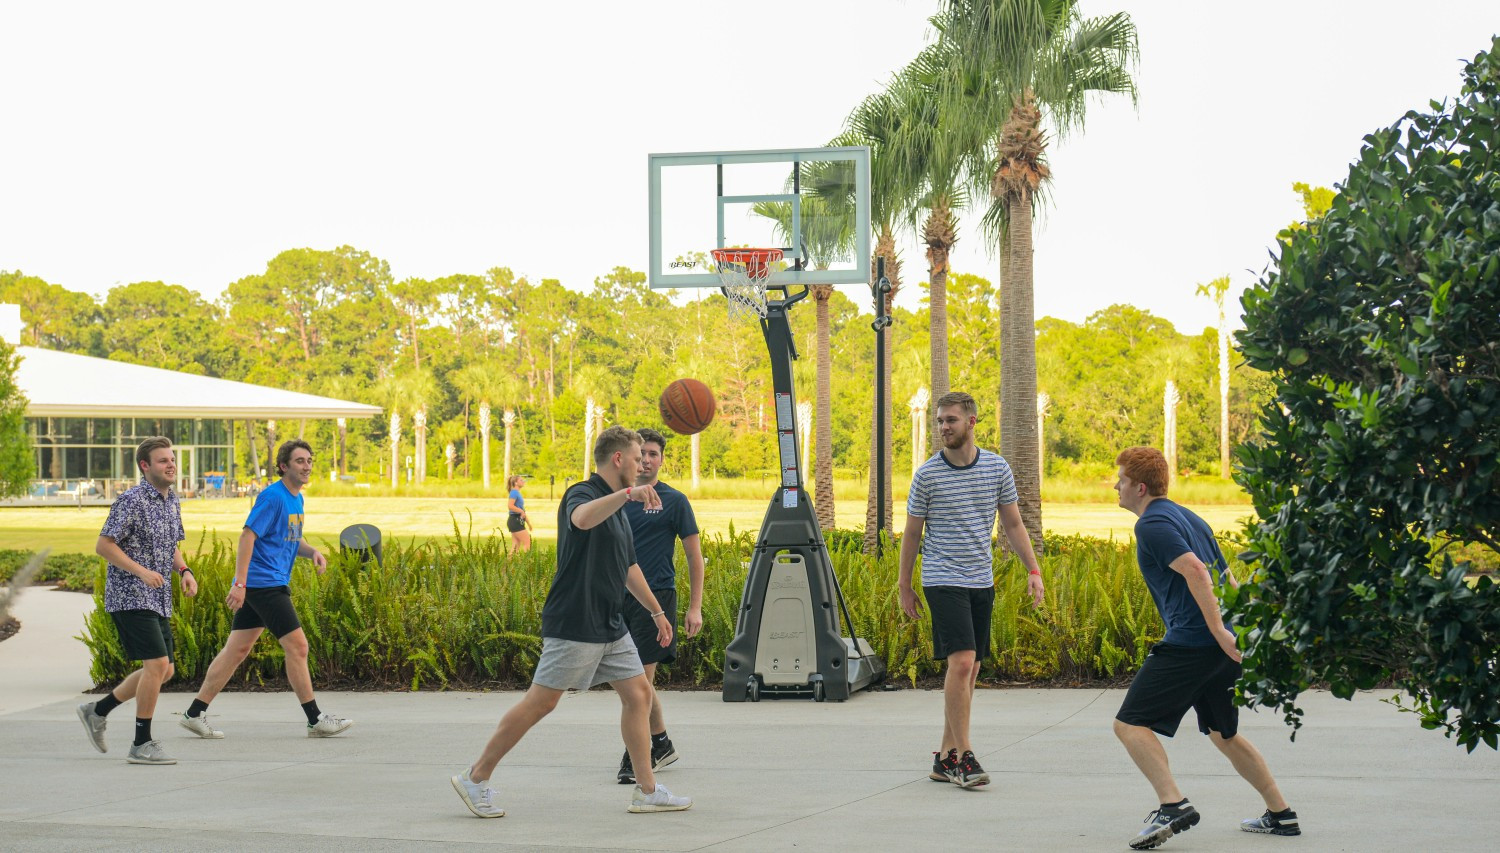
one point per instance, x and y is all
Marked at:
(812, 203)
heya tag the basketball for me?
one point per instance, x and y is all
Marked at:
(687, 406)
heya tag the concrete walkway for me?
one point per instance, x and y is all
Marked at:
(779, 775)
(43, 663)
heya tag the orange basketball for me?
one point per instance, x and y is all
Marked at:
(687, 406)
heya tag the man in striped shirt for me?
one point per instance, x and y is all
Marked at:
(955, 496)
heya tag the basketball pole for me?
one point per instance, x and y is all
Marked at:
(878, 291)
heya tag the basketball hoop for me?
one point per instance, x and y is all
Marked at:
(743, 274)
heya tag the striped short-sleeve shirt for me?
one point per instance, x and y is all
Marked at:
(959, 505)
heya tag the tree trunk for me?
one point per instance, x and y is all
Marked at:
(1223, 394)
(939, 235)
(1018, 437)
(823, 417)
(697, 480)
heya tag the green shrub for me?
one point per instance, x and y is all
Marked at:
(68, 571)
(465, 612)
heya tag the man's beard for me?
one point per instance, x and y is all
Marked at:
(955, 440)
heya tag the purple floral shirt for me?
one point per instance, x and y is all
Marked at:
(147, 526)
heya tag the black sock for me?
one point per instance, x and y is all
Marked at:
(142, 730)
(1177, 806)
(197, 708)
(107, 704)
(660, 739)
(1286, 812)
(311, 710)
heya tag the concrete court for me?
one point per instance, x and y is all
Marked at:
(780, 775)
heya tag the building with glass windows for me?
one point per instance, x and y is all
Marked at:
(86, 415)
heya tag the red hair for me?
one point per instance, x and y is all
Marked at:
(1147, 466)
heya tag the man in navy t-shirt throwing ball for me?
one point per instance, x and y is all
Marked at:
(656, 533)
(1195, 665)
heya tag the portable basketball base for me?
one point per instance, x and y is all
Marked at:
(787, 638)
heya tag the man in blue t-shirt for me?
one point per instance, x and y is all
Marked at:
(1195, 665)
(656, 532)
(261, 596)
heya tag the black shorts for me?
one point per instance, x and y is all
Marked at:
(643, 628)
(1175, 678)
(960, 619)
(144, 634)
(514, 523)
(270, 608)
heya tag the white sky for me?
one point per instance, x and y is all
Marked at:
(191, 142)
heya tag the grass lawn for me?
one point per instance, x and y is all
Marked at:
(73, 529)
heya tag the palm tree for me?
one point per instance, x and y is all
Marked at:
(408, 391)
(487, 383)
(1016, 65)
(827, 234)
(1216, 290)
(882, 122)
(937, 145)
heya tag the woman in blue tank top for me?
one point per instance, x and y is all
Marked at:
(517, 522)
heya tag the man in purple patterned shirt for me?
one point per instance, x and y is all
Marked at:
(139, 540)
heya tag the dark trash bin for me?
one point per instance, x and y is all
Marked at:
(362, 539)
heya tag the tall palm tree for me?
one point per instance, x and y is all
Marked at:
(938, 142)
(1021, 65)
(827, 235)
(1216, 290)
(884, 123)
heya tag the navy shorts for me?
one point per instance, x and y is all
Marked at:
(960, 619)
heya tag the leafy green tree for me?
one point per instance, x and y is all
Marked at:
(166, 326)
(54, 317)
(17, 462)
(1382, 448)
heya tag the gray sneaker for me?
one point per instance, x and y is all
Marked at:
(150, 752)
(327, 726)
(479, 798)
(93, 725)
(199, 726)
(660, 800)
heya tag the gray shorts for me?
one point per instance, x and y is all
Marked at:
(572, 665)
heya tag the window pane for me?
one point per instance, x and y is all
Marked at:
(76, 429)
(104, 430)
(75, 463)
(99, 464)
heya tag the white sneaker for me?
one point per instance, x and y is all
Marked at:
(150, 752)
(93, 725)
(479, 798)
(199, 726)
(327, 726)
(660, 800)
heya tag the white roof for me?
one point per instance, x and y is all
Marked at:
(62, 384)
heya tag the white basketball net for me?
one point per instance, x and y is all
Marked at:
(743, 274)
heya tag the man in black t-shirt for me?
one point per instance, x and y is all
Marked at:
(656, 534)
(584, 641)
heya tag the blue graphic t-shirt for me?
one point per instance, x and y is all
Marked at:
(276, 520)
(1164, 532)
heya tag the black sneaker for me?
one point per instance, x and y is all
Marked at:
(662, 753)
(940, 765)
(626, 775)
(1163, 823)
(1273, 823)
(968, 773)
